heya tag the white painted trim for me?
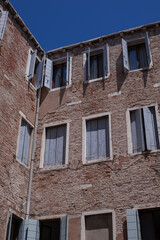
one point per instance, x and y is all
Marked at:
(90, 117)
(24, 116)
(129, 131)
(156, 85)
(49, 217)
(43, 142)
(98, 212)
(97, 79)
(114, 94)
(74, 103)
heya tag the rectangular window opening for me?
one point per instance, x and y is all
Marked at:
(96, 65)
(59, 75)
(50, 229)
(15, 227)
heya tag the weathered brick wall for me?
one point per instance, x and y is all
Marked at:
(124, 182)
(15, 95)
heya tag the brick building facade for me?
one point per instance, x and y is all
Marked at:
(80, 130)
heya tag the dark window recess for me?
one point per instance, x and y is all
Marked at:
(96, 66)
(150, 224)
(50, 229)
(99, 227)
(15, 226)
(137, 56)
(144, 130)
(32, 80)
(59, 75)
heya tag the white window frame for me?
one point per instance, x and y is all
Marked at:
(98, 212)
(23, 116)
(59, 61)
(129, 130)
(84, 65)
(136, 41)
(43, 143)
(84, 120)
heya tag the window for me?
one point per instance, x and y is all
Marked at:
(98, 226)
(13, 227)
(55, 146)
(136, 54)
(24, 142)
(144, 129)
(96, 63)
(3, 20)
(143, 224)
(97, 138)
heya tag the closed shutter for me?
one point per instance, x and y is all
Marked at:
(48, 74)
(3, 20)
(88, 64)
(26, 144)
(33, 55)
(29, 230)
(39, 75)
(103, 137)
(64, 228)
(106, 59)
(149, 58)
(61, 145)
(133, 225)
(69, 69)
(137, 131)
(125, 55)
(91, 140)
(21, 140)
(151, 130)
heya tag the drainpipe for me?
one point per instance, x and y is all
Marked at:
(33, 153)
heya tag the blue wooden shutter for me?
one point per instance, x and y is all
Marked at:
(133, 225)
(68, 71)
(125, 54)
(48, 74)
(26, 144)
(151, 130)
(85, 66)
(88, 65)
(39, 75)
(105, 59)
(61, 145)
(64, 228)
(103, 137)
(33, 55)
(29, 230)
(91, 139)
(137, 131)
(50, 147)
(21, 140)
(3, 20)
(149, 58)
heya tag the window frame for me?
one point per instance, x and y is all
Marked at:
(23, 117)
(129, 130)
(62, 61)
(84, 120)
(85, 61)
(43, 144)
(98, 212)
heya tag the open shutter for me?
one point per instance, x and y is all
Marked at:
(9, 226)
(21, 140)
(137, 131)
(105, 59)
(69, 69)
(149, 58)
(39, 75)
(48, 74)
(150, 128)
(33, 55)
(64, 228)
(85, 66)
(125, 55)
(26, 144)
(133, 225)
(29, 229)
(3, 20)
(88, 66)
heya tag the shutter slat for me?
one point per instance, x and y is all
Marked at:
(33, 55)
(39, 75)
(3, 20)
(125, 55)
(133, 225)
(102, 138)
(48, 74)
(29, 229)
(147, 44)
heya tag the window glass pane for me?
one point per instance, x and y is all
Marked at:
(59, 75)
(133, 58)
(94, 67)
(100, 65)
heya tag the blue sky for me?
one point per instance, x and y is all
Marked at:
(64, 22)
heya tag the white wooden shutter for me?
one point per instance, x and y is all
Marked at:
(21, 140)
(3, 20)
(50, 147)
(26, 144)
(69, 69)
(150, 128)
(147, 44)
(133, 225)
(61, 145)
(103, 137)
(92, 139)
(64, 228)
(9, 226)
(39, 75)
(137, 131)
(105, 59)
(48, 74)
(29, 229)
(33, 55)
(88, 65)
(125, 54)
